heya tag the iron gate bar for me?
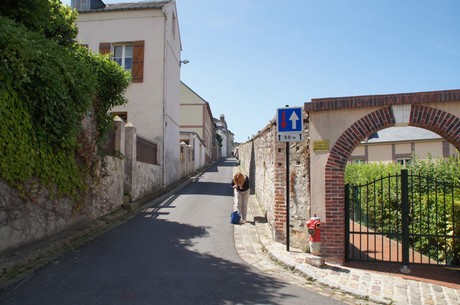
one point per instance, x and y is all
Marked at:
(405, 219)
(347, 222)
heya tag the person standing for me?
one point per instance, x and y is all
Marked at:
(240, 184)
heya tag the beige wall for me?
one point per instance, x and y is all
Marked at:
(423, 150)
(191, 115)
(196, 116)
(384, 151)
(379, 153)
(327, 126)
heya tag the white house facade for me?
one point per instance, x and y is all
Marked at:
(144, 38)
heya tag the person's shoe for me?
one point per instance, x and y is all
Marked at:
(242, 221)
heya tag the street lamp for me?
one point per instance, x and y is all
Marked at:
(185, 61)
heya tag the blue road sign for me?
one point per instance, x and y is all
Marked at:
(289, 120)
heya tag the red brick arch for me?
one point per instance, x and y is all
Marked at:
(443, 123)
(436, 120)
(334, 228)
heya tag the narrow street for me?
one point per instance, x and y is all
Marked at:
(179, 252)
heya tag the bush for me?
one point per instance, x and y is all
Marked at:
(434, 202)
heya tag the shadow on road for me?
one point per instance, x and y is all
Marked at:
(153, 260)
(147, 261)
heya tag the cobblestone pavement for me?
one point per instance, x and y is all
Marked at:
(255, 245)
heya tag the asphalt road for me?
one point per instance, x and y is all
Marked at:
(179, 252)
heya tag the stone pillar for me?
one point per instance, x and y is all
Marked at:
(119, 134)
(130, 157)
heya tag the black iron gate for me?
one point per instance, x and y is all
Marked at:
(403, 218)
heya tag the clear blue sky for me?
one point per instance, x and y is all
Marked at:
(250, 57)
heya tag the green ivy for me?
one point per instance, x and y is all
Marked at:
(46, 89)
(18, 159)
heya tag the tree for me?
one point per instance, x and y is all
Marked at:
(49, 17)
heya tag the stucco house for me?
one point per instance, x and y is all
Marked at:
(226, 135)
(400, 144)
(143, 38)
(196, 117)
(197, 146)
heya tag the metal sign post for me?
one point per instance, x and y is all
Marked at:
(289, 130)
(287, 198)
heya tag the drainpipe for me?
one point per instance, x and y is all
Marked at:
(165, 117)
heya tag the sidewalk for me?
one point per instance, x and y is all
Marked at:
(254, 237)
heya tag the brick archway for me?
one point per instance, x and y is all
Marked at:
(436, 120)
(443, 123)
(334, 228)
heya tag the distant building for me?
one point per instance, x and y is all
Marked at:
(400, 144)
(197, 145)
(196, 117)
(226, 135)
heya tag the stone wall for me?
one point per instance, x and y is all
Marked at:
(25, 219)
(141, 179)
(36, 213)
(263, 158)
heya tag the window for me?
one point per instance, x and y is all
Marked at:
(129, 55)
(404, 161)
(123, 55)
(357, 160)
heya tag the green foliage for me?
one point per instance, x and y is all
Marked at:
(434, 215)
(44, 102)
(111, 83)
(437, 168)
(219, 139)
(61, 25)
(47, 17)
(33, 14)
(46, 89)
(16, 134)
(363, 173)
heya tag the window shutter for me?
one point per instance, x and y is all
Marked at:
(138, 61)
(104, 47)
